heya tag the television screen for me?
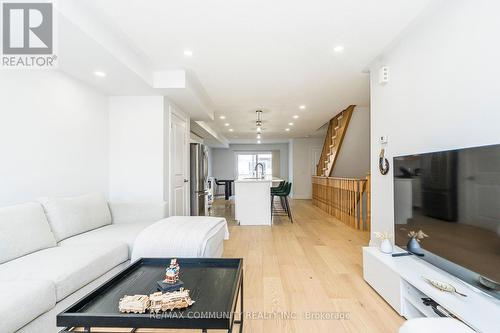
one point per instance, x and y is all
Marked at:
(453, 197)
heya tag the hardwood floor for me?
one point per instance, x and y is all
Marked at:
(312, 267)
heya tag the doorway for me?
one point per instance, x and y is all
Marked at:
(179, 203)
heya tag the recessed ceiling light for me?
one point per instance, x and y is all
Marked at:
(259, 129)
(338, 48)
(230, 130)
(100, 74)
(226, 124)
(287, 129)
(222, 117)
(302, 107)
(188, 53)
(258, 136)
(296, 117)
(258, 141)
(291, 124)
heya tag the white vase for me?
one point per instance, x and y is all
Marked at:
(386, 246)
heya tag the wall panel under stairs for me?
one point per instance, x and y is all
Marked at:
(353, 160)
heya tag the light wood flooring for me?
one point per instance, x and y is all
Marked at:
(310, 267)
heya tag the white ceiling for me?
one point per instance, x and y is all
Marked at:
(266, 54)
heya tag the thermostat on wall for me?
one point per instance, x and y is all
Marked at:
(384, 139)
(383, 75)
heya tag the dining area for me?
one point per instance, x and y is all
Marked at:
(227, 187)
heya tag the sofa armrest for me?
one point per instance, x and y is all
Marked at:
(138, 212)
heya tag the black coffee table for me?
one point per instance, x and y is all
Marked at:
(214, 285)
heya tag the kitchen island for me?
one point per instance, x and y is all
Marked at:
(253, 200)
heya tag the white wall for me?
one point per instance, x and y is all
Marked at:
(303, 165)
(354, 156)
(223, 159)
(137, 148)
(444, 90)
(53, 136)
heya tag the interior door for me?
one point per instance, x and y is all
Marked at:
(179, 163)
(315, 155)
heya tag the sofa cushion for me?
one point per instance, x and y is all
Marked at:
(68, 267)
(138, 212)
(73, 215)
(117, 233)
(23, 229)
(23, 301)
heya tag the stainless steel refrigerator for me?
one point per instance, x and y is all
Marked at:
(199, 179)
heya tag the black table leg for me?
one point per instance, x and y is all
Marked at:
(241, 305)
(239, 322)
(226, 191)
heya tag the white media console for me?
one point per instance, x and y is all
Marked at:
(399, 281)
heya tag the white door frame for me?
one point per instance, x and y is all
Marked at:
(175, 112)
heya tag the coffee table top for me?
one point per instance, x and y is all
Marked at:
(213, 285)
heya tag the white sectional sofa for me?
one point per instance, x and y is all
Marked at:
(54, 251)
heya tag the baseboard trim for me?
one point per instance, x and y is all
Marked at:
(301, 197)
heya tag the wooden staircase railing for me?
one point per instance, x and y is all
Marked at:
(337, 129)
(347, 199)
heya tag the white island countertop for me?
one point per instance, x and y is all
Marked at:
(254, 179)
(252, 199)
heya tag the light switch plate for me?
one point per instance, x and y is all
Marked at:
(383, 75)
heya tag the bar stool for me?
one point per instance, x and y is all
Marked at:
(283, 195)
(274, 191)
(278, 188)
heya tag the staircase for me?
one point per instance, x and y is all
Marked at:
(337, 129)
(347, 199)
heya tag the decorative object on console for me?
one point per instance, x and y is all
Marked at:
(488, 283)
(169, 301)
(134, 304)
(171, 281)
(413, 245)
(385, 241)
(443, 286)
(438, 309)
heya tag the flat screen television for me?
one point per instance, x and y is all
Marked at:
(454, 197)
